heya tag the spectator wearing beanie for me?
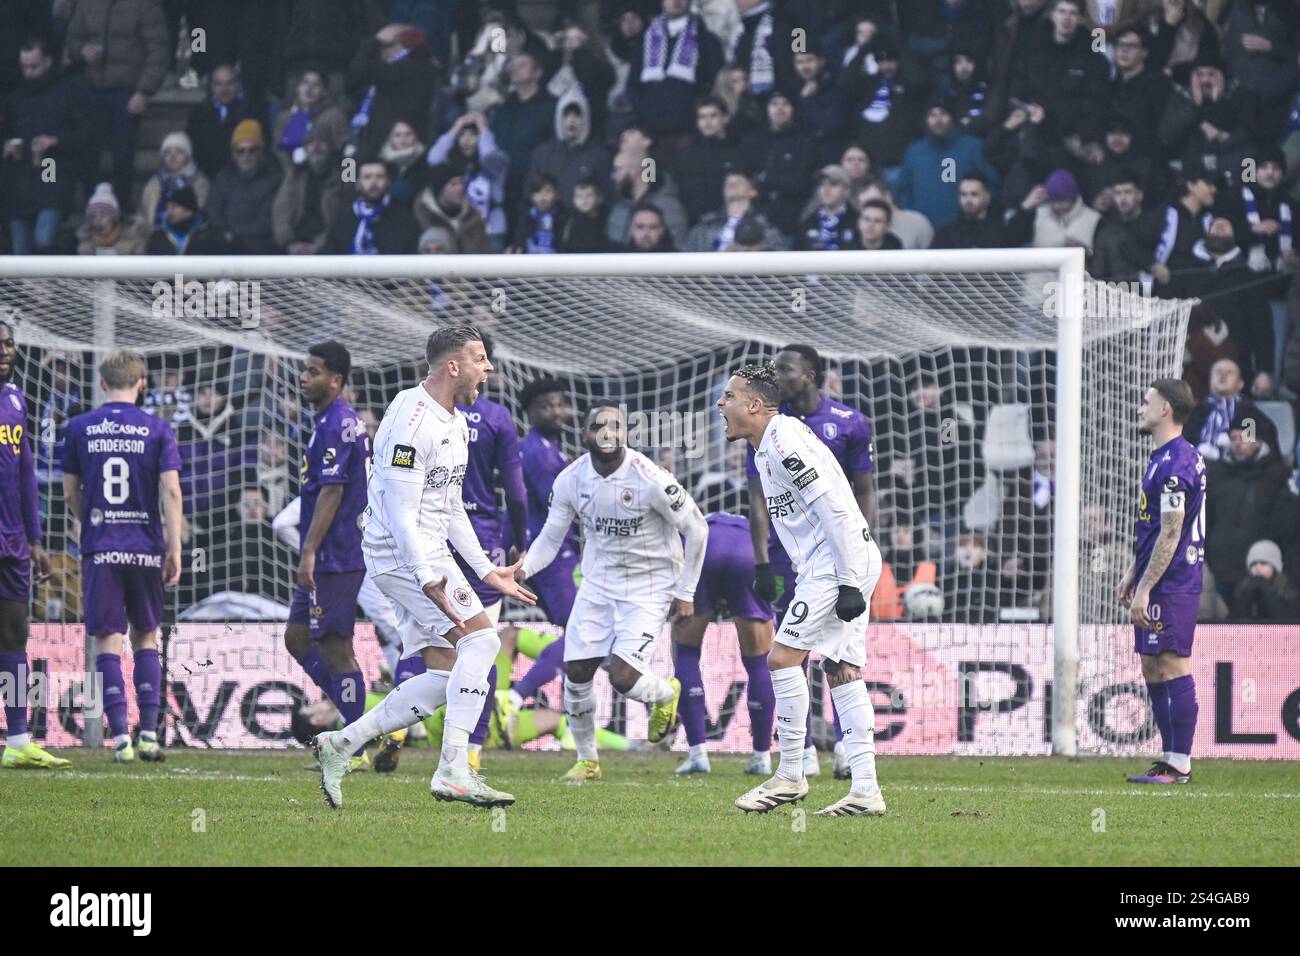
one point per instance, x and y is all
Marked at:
(751, 236)
(392, 78)
(122, 46)
(1102, 162)
(1243, 489)
(311, 197)
(572, 155)
(700, 168)
(1265, 594)
(176, 170)
(313, 107)
(443, 203)
(470, 147)
(103, 233)
(374, 224)
(1209, 121)
(212, 122)
(925, 182)
(183, 231)
(243, 195)
(832, 226)
(785, 158)
(673, 64)
(1061, 218)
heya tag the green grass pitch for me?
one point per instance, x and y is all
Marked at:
(264, 809)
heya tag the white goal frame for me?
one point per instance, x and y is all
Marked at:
(1067, 264)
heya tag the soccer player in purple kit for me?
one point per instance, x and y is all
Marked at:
(118, 460)
(323, 610)
(800, 374)
(20, 548)
(1162, 587)
(546, 403)
(725, 585)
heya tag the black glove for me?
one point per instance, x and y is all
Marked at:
(850, 604)
(764, 582)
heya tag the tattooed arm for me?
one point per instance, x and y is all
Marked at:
(1171, 527)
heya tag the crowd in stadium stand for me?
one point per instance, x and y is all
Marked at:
(1161, 136)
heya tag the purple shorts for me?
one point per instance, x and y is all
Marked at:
(728, 575)
(1174, 616)
(120, 588)
(16, 580)
(555, 587)
(332, 607)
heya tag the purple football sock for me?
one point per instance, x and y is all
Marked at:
(686, 668)
(13, 667)
(762, 701)
(485, 717)
(547, 667)
(1183, 710)
(148, 687)
(315, 667)
(407, 668)
(109, 668)
(1159, 694)
(348, 692)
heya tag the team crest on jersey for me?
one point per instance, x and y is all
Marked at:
(96, 517)
(1191, 554)
(462, 596)
(793, 463)
(403, 456)
(626, 497)
(806, 479)
(830, 430)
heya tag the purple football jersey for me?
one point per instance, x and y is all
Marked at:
(493, 460)
(543, 461)
(336, 454)
(1175, 475)
(844, 430)
(20, 521)
(120, 451)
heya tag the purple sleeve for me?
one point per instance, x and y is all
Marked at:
(71, 463)
(751, 467)
(858, 451)
(510, 467)
(30, 493)
(169, 456)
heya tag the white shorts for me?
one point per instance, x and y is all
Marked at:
(420, 622)
(810, 622)
(600, 626)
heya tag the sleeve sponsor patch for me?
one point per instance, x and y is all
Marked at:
(1171, 483)
(329, 456)
(806, 479)
(793, 463)
(403, 456)
(676, 497)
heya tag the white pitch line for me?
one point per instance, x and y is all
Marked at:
(1133, 790)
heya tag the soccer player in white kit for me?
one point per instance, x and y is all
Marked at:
(636, 573)
(821, 527)
(414, 510)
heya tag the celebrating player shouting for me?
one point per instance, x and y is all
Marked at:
(635, 571)
(415, 510)
(821, 527)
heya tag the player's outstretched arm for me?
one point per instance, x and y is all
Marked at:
(462, 537)
(506, 580)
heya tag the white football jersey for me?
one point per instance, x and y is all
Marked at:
(796, 469)
(632, 548)
(418, 442)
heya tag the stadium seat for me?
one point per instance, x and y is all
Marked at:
(1282, 414)
(1007, 446)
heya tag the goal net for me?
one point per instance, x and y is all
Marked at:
(954, 358)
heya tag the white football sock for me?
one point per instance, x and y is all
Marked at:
(120, 740)
(466, 692)
(406, 704)
(580, 709)
(791, 689)
(1180, 762)
(651, 689)
(700, 751)
(858, 721)
(18, 741)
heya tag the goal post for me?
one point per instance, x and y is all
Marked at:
(659, 329)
